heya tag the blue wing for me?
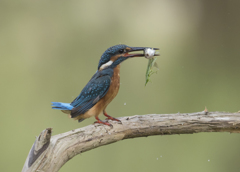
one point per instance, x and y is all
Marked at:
(96, 88)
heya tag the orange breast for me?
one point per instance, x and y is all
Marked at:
(114, 87)
(111, 94)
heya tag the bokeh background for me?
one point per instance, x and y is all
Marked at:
(50, 49)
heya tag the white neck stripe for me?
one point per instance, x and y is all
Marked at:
(106, 65)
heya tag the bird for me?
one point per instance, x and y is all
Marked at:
(102, 88)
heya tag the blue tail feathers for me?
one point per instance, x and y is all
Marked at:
(62, 106)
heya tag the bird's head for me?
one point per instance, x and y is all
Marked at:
(117, 54)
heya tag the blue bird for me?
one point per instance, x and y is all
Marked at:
(102, 87)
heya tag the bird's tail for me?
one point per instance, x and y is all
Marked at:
(62, 106)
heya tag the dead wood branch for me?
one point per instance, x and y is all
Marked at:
(49, 154)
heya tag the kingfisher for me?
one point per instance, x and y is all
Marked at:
(102, 87)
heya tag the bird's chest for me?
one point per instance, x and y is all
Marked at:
(114, 87)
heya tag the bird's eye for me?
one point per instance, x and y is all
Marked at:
(121, 51)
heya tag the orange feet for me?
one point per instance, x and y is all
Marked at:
(109, 117)
(101, 122)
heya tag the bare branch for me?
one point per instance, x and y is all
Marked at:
(50, 155)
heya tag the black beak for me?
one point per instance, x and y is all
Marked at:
(131, 49)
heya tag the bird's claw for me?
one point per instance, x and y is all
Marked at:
(105, 123)
(114, 119)
(111, 118)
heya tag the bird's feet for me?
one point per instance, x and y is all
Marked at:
(111, 118)
(101, 122)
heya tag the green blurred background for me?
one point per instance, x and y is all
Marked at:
(50, 50)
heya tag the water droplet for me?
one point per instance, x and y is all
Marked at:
(209, 160)
(157, 158)
(161, 156)
(125, 103)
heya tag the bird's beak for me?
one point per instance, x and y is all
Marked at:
(131, 49)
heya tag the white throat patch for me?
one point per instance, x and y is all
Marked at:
(106, 65)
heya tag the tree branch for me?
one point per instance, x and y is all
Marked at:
(49, 154)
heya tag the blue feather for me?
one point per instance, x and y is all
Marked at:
(96, 88)
(61, 106)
